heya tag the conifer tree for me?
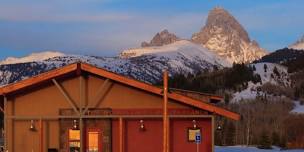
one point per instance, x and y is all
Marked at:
(265, 142)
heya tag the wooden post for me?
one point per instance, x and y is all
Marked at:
(5, 123)
(41, 134)
(212, 131)
(121, 135)
(81, 134)
(82, 99)
(165, 112)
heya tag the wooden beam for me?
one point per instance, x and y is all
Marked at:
(165, 112)
(121, 79)
(212, 131)
(26, 118)
(121, 135)
(5, 123)
(82, 145)
(102, 91)
(67, 97)
(158, 91)
(41, 135)
(82, 93)
(37, 79)
(204, 106)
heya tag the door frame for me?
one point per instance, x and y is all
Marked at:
(93, 129)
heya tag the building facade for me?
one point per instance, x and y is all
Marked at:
(83, 108)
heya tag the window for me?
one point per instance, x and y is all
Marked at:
(74, 140)
(93, 143)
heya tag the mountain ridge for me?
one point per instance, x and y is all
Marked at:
(299, 45)
(228, 38)
(37, 56)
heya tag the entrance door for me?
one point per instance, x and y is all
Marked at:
(94, 140)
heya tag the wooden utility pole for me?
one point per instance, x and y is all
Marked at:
(165, 113)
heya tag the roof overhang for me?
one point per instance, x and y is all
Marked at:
(79, 67)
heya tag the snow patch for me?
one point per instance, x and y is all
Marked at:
(32, 57)
(251, 149)
(267, 77)
(298, 108)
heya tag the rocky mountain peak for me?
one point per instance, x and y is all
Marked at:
(162, 38)
(299, 45)
(227, 37)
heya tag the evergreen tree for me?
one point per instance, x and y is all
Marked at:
(275, 139)
(227, 98)
(265, 142)
(276, 72)
(265, 68)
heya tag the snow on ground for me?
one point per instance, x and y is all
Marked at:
(33, 57)
(251, 149)
(267, 77)
(298, 108)
(249, 93)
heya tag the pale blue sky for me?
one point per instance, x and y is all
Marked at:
(105, 27)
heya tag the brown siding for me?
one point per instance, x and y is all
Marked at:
(47, 101)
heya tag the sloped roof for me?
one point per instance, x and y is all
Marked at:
(77, 67)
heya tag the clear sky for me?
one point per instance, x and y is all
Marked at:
(105, 27)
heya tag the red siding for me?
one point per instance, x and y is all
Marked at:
(151, 139)
(178, 135)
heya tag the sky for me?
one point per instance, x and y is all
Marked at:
(106, 27)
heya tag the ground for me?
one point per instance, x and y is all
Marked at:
(250, 149)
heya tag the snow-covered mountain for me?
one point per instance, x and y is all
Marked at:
(299, 45)
(177, 51)
(224, 35)
(32, 57)
(179, 57)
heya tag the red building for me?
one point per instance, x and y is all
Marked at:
(83, 108)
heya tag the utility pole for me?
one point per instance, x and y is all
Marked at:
(165, 113)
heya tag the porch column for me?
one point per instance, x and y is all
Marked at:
(81, 134)
(41, 134)
(121, 135)
(5, 123)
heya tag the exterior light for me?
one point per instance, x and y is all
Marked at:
(142, 126)
(194, 124)
(219, 127)
(75, 127)
(32, 126)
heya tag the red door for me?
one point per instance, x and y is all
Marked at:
(94, 140)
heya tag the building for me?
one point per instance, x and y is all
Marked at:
(83, 108)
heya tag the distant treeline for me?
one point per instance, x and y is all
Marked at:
(235, 78)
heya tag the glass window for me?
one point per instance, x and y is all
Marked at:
(93, 141)
(74, 140)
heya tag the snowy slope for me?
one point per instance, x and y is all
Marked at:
(32, 57)
(183, 48)
(266, 77)
(298, 108)
(251, 149)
